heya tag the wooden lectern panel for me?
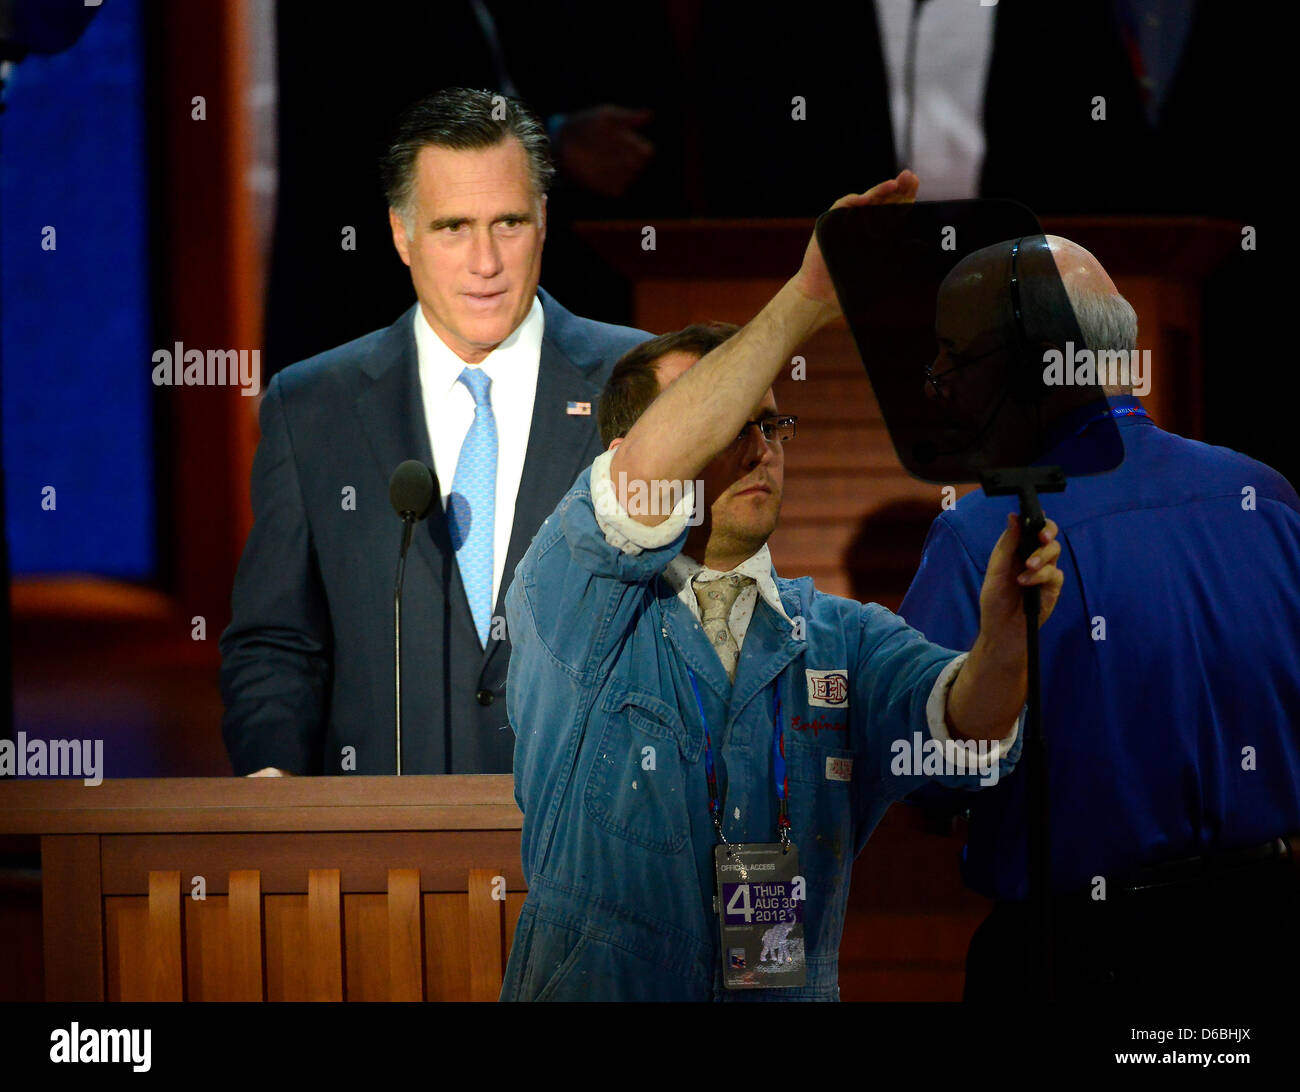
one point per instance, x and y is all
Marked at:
(399, 945)
(244, 937)
(324, 936)
(164, 979)
(223, 943)
(207, 949)
(405, 936)
(309, 888)
(73, 918)
(484, 936)
(126, 926)
(286, 941)
(446, 953)
(366, 972)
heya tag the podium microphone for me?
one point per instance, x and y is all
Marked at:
(410, 490)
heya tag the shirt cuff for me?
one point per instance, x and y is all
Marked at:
(621, 530)
(937, 704)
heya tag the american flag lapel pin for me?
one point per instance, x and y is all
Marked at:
(578, 409)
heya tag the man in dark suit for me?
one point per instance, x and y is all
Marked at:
(488, 380)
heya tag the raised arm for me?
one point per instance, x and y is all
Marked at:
(702, 411)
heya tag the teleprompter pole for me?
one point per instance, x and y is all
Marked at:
(1027, 483)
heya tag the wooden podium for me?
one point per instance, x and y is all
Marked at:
(313, 889)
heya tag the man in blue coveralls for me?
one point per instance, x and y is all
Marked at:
(671, 696)
(1175, 657)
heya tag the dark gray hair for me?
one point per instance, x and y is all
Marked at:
(465, 120)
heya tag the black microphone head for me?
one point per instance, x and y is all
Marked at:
(411, 490)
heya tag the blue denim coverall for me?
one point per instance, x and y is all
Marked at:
(618, 856)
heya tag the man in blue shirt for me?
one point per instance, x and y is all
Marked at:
(671, 695)
(1171, 691)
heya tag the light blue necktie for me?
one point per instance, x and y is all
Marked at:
(472, 503)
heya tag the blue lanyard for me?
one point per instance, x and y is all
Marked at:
(778, 766)
(1114, 411)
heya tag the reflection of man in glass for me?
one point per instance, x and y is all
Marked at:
(987, 374)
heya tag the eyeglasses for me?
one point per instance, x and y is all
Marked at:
(779, 428)
(1013, 287)
(935, 380)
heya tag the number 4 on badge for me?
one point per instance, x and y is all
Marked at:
(741, 896)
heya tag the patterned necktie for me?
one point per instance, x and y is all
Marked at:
(716, 598)
(471, 507)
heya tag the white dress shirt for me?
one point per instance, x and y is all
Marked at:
(626, 534)
(954, 42)
(449, 412)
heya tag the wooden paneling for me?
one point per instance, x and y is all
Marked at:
(71, 911)
(405, 920)
(286, 940)
(212, 804)
(299, 910)
(443, 858)
(446, 929)
(324, 936)
(164, 978)
(126, 927)
(207, 949)
(223, 943)
(485, 935)
(367, 975)
(244, 937)
(326, 945)
(22, 972)
(662, 305)
(909, 919)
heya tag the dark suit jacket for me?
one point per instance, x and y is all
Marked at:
(307, 661)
